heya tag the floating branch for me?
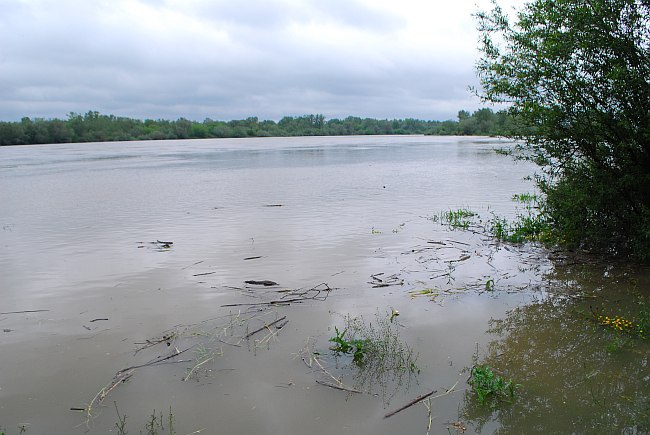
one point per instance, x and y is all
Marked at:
(25, 311)
(202, 274)
(421, 398)
(385, 282)
(265, 282)
(337, 387)
(309, 358)
(266, 326)
(317, 293)
(122, 376)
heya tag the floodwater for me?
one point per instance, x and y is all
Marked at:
(91, 285)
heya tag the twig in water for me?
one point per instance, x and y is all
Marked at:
(306, 352)
(122, 376)
(265, 327)
(411, 403)
(421, 398)
(337, 387)
(193, 264)
(427, 404)
(24, 311)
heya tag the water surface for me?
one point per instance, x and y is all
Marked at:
(78, 222)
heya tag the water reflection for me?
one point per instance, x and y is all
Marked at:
(572, 379)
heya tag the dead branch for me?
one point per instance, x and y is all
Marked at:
(306, 353)
(338, 387)
(421, 398)
(266, 326)
(316, 293)
(411, 403)
(122, 376)
(193, 264)
(24, 311)
(264, 282)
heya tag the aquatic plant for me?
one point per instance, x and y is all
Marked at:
(461, 218)
(637, 327)
(22, 428)
(154, 425)
(530, 225)
(355, 347)
(487, 385)
(379, 355)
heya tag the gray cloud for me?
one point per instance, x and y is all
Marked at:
(225, 60)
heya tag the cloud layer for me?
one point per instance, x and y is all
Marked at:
(229, 60)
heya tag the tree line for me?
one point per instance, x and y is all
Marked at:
(96, 127)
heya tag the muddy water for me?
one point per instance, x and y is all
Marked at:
(343, 226)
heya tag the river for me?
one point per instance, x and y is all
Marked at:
(134, 255)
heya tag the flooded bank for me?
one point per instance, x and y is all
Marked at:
(138, 254)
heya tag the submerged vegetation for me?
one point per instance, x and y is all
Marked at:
(96, 127)
(156, 423)
(530, 224)
(461, 218)
(380, 359)
(379, 355)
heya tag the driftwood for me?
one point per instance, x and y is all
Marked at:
(299, 295)
(25, 311)
(337, 387)
(265, 282)
(461, 258)
(266, 326)
(411, 403)
(421, 398)
(310, 358)
(193, 264)
(385, 282)
(122, 376)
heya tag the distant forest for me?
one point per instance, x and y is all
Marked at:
(95, 127)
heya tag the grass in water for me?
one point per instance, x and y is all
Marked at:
(379, 355)
(530, 225)
(156, 423)
(457, 219)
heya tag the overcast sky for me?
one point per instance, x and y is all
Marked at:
(227, 59)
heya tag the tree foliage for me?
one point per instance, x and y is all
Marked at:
(95, 127)
(576, 75)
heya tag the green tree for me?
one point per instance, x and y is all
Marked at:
(576, 73)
